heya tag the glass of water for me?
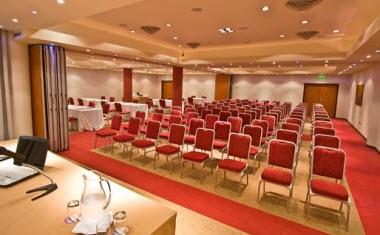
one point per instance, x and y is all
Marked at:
(72, 212)
(120, 223)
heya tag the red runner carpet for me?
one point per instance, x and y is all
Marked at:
(242, 217)
(363, 175)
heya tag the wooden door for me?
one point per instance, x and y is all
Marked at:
(222, 87)
(326, 94)
(167, 89)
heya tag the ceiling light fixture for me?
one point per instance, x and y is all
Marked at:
(168, 25)
(282, 36)
(34, 12)
(361, 60)
(378, 51)
(226, 30)
(368, 56)
(326, 61)
(179, 45)
(274, 62)
(1, 26)
(88, 50)
(175, 38)
(265, 8)
(132, 31)
(14, 20)
(61, 2)
(305, 22)
(336, 31)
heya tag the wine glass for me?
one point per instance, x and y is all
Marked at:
(72, 212)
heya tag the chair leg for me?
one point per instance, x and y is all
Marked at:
(216, 177)
(155, 159)
(258, 192)
(348, 215)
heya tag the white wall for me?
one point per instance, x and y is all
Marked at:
(199, 85)
(366, 118)
(287, 88)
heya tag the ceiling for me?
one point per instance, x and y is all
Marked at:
(113, 29)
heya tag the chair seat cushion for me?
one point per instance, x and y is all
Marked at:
(167, 149)
(123, 138)
(105, 132)
(253, 151)
(232, 165)
(276, 175)
(329, 189)
(126, 126)
(143, 130)
(195, 156)
(190, 139)
(219, 144)
(143, 143)
(164, 134)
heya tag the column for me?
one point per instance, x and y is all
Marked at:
(177, 85)
(127, 84)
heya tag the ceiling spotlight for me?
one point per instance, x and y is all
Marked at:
(132, 31)
(279, 66)
(1, 26)
(336, 31)
(378, 51)
(168, 25)
(274, 62)
(88, 50)
(368, 56)
(226, 30)
(137, 58)
(326, 65)
(34, 12)
(14, 20)
(326, 61)
(113, 59)
(361, 60)
(305, 22)
(175, 38)
(301, 65)
(297, 62)
(282, 36)
(179, 45)
(61, 2)
(231, 64)
(265, 8)
(353, 64)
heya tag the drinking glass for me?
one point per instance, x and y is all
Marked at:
(72, 212)
(120, 223)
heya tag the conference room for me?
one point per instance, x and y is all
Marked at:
(189, 117)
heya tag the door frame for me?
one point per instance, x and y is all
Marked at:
(321, 84)
(162, 86)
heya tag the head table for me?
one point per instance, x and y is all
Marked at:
(88, 118)
(19, 215)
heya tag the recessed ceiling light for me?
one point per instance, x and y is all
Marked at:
(305, 22)
(61, 1)
(354, 64)
(297, 62)
(378, 51)
(265, 8)
(301, 65)
(336, 31)
(279, 66)
(179, 45)
(274, 62)
(1, 26)
(361, 60)
(113, 59)
(368, 56)
(326, 65)
(168, 25)
(175, 38)
(88, 50)
(326, 61)
(226, 30)
(132, 31)
(282, 36)
(34, 12)
(14, 20)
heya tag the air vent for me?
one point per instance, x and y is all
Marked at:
(302, 5)
(307, 34)
(193, 44)
(150, 29)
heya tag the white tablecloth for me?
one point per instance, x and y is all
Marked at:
(98, 102)
(199, 100)
(168, 103)
(131, 107)
(88, 118)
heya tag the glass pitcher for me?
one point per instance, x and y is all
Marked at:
(94, 199)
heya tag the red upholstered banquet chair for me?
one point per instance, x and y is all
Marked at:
(225, 108)
(204, 113)
(237, 158)
(176, 107)
(216, 111)
(172, 120)
(222, 133)
(234, 112)
(210, 120)
(256, 133)
(195, 123)
(282, 166)
(291, 126)
(323, 124)
(174, 145)
(159, 111)
(324, 131)
(172, 113)
(102, 97)
(223, 115)
(119, 110)
(288, 135)
(258, 113)
(106, 112)
(241, 110)
(202, 150)
(107, 133)
(233, 106)
(326, 141)
(330, 164)
(140, 115)
(91, 104)
(149, 102)
(150, 140)
(271, 124)
(246, 119)
(154, 117)
(236, 124)
(264, 125)
(297, 121)
(71, 101)
(189, 116)
(190, 100)
(80, 102)
(128, 136)
(112, 99)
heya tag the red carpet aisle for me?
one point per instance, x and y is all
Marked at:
(363, 175)
(244, 218)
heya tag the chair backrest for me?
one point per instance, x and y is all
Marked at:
(116, 122)
(141, 115)
(210, 120)
(80, 102)
(204, 113)
(162, 103)
(177, 134)
(190, 116)
(291, 126)
(239, 145)
(275, 115)
(153, 129)
(322, 119)
(216, 111)
(246, 119)
(159, 111)
(71, 100)
(195, 123)
(271, 121)
(328, 162)
(157, 117)
(91, 104)
(258, 113)
(106, 108)
(190, 100)
(176, 107)
(223, 115)
(236, 124)
(234, 112)
(134, 126)
(200, 109)
(204, 139)
(233, 106)
(263, 124)
(323, 124)
(175, 120)
(324, 131)
(118, 107)
(256, 133)
(225, 108)
(149, 102)
(222, 130)
(102, 97)
(326, 141)
(241, 110)
(175, 112)
(288, 135)
(281, 153)
(294, 121)
(112, 99)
